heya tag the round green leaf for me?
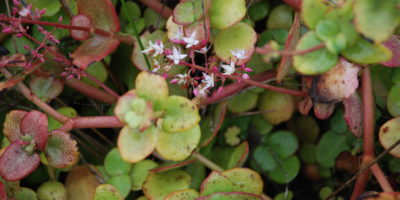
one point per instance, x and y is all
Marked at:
(131, 11)
(329, 147)
(307, 129)
(178, 146)
(52, 7)
(61, 150)
(215, 182)
(287, 171)
(393, 101)
(259, 10)
(139, 25)
(327, 29)
(264, 158)
(184, 13)
(389, 134)
(98, 70)
(308, 153)
(243, 102)
(51, 190)
(183, 194)
(122, 183)
(280, 106)
(46, 88)
(364, 52)
(152, 87)
(114, 164)
(284, 143)
(231, 195)
(245, 180)
(225, 13)
(25, 193)
(244, 37)
(316, 62)
(140, 172)
(284, 196)
(152, 18)
(281, 17)
(181, 114)
(136, 146)
(262, 126)
(313, 11)
(107, 192)
(159, 185)
(376, 19)
(101, 13)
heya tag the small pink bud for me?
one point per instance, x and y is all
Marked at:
(60, 19)
(27, 47)
(7, 30)
(247, 69)
(215, 69)
(174, 81)
(167, 52)
(245, 76)
(16, 2)
(43, 11)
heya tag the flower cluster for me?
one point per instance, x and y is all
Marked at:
(174, 56)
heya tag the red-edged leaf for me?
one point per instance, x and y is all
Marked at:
(15, 163)
(11, 82)
(231, 195)
(101, 13)
(3, 194)
(296, 4)
(93, 50)
(336, 84)
(353, 114)
(12, 123)
(393, 44)
(61, 150)
(290, 45)
(80, 20)
(46, 88)
(323, 110)
(35, 124)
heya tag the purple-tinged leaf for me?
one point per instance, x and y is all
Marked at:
(353, 114)
(61, 150)
(46, 88)
(12, 125)
(323, 110)
(393, 44)
(338, 83)
(15, 163)
(101, 14)
(80, 20)
(93, 50)
(35, 123)
(290, 45)
(232, 195)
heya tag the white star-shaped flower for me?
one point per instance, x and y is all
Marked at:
(208, 80)
(229, 69)
(191, 41)
(176, 55)
(155, 48)
(180, 79)
(239, 53)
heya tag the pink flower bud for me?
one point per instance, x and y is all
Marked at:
(245, 76)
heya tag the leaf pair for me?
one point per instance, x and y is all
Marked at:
(28, 134)
(100, 15)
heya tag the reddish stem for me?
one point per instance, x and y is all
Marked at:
(102, 85)
(165, 11)
(368, 123)
(96, 122)
(62, 26)
(91, 91)
(276, 89)
(221, 118)
(35, 100)
(382, 180)
(236, 87)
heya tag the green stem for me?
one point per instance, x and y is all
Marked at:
(136, 33)
(208, 163)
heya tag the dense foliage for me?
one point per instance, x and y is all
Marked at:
(200, 99)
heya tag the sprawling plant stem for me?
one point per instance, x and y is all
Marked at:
(233, 88)
(208, 163)
(368, 155)
(102, 85)
(91, 91)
